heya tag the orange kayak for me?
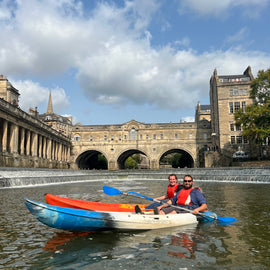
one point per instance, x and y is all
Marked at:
(93, 206)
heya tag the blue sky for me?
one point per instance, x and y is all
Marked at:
(107, 62)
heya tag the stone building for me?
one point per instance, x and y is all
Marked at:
(209, 141)
(8, 92)
(58, 122)
(229, 93)
(25, 141)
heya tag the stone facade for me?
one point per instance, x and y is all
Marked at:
(33, 140)
(25, 141)
(58, 122)
(117, 142)
(229, 93)
(8, 92)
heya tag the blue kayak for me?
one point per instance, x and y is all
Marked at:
(85, 220)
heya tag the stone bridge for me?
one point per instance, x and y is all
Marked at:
(153, 141)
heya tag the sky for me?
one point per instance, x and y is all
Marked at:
(111, 61)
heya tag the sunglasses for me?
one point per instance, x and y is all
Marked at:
(187, 181)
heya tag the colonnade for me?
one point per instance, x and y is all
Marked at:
(16, 139)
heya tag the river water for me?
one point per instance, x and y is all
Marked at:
(25, 243)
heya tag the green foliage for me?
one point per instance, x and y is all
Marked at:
(130, 163)
(255, 120)
(176, 160)
(137, 158)
(260, 87)
(102, 162)
(172, 159)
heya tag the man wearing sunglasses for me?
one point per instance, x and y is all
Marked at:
(189, 197)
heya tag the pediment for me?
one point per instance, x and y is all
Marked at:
(133, 123)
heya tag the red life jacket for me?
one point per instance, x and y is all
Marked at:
(171, 191)
(184, 196)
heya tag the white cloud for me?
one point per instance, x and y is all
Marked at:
(33, 94)
(111, 50)
(241, 35)
(251, 8)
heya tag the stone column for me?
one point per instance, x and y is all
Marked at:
(44, 147)
(53, 150)
(39, 145)
(28, 140)
(60, 152)
(68, 153)
(14, 139)
(34, 146)
(56, 150)
(22, 150)
(49, 149)
(4, 138)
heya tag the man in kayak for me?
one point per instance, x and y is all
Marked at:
(189, 197)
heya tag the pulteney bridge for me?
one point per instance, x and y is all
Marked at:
(153, 141)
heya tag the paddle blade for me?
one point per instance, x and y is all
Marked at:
(111, 191)
(139, 195)
(226, 220)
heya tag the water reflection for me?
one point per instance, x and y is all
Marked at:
(168, 247)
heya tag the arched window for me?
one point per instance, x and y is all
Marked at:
(133, 134)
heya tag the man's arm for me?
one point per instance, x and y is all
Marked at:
(164, 205)
(201, 208)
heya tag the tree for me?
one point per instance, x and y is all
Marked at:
(260, 87)
(255, 121)
(130, 163)
(176, 160)
(255, 118)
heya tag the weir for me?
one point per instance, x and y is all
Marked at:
(20, 177)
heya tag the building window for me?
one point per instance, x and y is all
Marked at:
(112, 138)
(232, 139)
(140, 136)
(205, 136)
(119, 137)
(190, 135)
(245, 139)
(133, 134)
(125, 137)
(105, 137)
(241, 92)
(76, 138)
(244, 106)
(231, 107)
(245, 92)
(147, 136)
(239, 139)
(175, 136)
(236, 106)
(232, 127)
(161, 136)
(91, 138)
(231, 92)
(238, 127)
(154, 137)
(235, 91)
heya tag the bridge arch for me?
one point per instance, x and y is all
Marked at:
(129, 152)
(92, 159)
(185, 160)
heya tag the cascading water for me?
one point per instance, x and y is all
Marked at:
(19, 177)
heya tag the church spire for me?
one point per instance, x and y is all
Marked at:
(50, 108)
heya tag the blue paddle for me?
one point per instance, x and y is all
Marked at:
(113, 191)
